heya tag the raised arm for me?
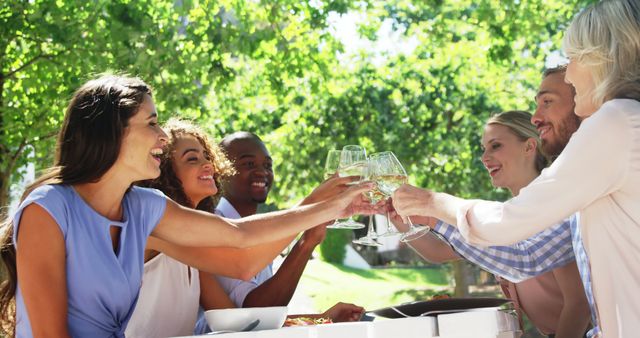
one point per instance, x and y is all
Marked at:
(188, 227)
(544, 251)
(226, 261)
(279, 289)
(40, 254)
(429, 247)
(594, 164)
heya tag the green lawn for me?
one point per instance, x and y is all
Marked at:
(327, 284)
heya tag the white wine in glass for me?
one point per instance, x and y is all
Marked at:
(337, 162)
(374, 196)
(390, 175)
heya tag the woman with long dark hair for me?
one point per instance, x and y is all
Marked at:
(77, 240)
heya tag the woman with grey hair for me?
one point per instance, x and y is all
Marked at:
(597, 175)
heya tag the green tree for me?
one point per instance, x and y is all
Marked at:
(182, 48)
(473, 58)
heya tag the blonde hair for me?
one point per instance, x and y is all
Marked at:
(519, 122)
(606, 38)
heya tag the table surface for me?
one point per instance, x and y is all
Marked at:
(414, 327)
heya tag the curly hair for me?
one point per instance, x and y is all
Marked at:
(168, 181)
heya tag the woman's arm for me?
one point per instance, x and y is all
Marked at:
(40, 257)
(575, 315)
(594, 164)
(188, 227)
(225, 261)
(243, 263)
(212, 295)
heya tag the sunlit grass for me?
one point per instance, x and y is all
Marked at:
(327, 284)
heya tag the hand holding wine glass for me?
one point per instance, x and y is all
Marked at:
(410, 200)
(351, 163)
(390, 176)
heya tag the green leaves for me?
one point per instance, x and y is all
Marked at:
(275, 68)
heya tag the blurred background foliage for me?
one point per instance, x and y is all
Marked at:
(286, 71)
(415, 77)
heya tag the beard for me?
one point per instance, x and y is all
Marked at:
(563, 132)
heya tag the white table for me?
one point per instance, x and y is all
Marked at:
(415, 327)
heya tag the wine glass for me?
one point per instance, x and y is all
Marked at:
(375, 162)
(332, 163)
(374, 196)
(390, 176)
(331, 166)
(352, 162)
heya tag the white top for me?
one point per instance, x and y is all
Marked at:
(597, 175)
(168, 302)
(238, 289)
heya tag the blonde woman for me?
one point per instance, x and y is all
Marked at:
(538, 274)
(597, 174)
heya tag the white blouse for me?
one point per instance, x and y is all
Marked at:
(168, 302)
(597, 175)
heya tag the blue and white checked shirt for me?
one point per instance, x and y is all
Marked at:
(582, 261)
(549, 249)
(545, 251)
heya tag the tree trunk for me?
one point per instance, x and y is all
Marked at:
(460, 277)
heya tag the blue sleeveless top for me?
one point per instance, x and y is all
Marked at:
(102, 286)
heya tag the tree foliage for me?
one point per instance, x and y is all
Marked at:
(276, 68)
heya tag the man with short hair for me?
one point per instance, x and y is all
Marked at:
(556, 122)
(242, 193)
(554, 117)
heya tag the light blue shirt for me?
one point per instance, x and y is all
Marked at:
(102, 286)
(237, 289)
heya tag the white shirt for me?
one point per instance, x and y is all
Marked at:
(597, 175)
(238, 289)
(168, 302)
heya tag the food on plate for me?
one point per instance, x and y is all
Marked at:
(304, 321)
(441, 296)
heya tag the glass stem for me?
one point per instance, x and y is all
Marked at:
(371, 231)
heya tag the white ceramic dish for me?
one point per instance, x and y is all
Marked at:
(272, 317)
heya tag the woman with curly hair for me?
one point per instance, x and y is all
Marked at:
(170, 294)
(172, 291)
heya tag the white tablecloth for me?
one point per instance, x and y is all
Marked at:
(416, 327)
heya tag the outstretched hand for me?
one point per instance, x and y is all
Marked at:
(352, 201)
(329, 188)
(344, 312)
(409, 201)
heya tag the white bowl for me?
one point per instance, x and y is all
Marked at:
(272, 317)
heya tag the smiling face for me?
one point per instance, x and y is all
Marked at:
(580, 77)
(142, 144)
(254, 176)
(508, 159)
(192, 166)
(554, 117)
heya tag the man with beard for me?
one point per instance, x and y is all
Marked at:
(554, 247)
(554, 117)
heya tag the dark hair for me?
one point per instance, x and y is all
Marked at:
(170, 184)
(88, 145)
(554, 70)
